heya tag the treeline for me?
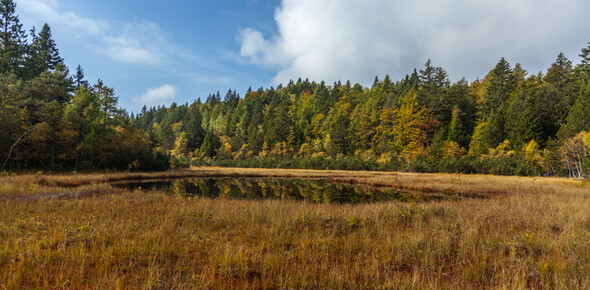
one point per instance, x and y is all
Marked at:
(51, 119)
(510, 122)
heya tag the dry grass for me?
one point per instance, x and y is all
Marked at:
(535, 234)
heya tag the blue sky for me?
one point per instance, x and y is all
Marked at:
(179, 51)
(156, 53)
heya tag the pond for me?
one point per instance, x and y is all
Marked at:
(310, 190)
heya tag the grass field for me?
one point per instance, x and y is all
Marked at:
(77, 231)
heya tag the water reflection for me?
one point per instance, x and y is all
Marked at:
(317, 191)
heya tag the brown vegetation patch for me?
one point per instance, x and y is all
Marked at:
(68, 194)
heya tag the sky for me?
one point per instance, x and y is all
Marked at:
(154, 53)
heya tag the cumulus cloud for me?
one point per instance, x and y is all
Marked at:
(356, 40)
(139, 42)
(252, 42)
(158, 95)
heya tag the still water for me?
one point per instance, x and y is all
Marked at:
(316, 191)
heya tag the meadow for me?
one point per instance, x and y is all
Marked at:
(78, 231)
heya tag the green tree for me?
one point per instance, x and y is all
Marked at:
(79, 78)
(192, 125)
(13, 42)
(43, 53)
(578, 118)
(434, 83)
(500, 84)
(84, 113)
(461, 101)
(523, 122)
(210, 144)
(338, 126)
(583, 69)
(456, 131)
(557, 95)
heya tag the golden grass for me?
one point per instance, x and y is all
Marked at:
(535, 234)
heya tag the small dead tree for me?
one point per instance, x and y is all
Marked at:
(16, 143)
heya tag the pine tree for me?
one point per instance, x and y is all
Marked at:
(338, 124)
(583, 69)
(107, 100)
(579, 117)
(522, 122)
(79, 77)
(500, 85)
(558, 95)
(434, 82)
(13, 43)
(456, 132)
(375, 82)
(192, 125)
(43, 53)
(210, 144)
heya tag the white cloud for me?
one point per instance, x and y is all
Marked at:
(207, 78)
(49, 11)
(157, 96)
(252, 42)
(139, 42)
(129, 50)
(350, 39)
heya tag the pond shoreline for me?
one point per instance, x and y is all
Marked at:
(460, 184)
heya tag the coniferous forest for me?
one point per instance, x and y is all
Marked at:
(509, 122)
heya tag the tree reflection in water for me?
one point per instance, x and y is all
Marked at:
(310, 190)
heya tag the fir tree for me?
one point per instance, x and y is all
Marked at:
(43, 53)
(13, 43)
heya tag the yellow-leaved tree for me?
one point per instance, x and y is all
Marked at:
(180, 150)
(411, 125)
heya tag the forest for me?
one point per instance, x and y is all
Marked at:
(511, 122)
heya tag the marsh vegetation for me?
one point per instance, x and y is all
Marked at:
(81, 231)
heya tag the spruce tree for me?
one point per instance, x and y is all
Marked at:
(557, 95)
(579, 117)
(500, 85)
(79, 77)
(583, 69)
(13, 42)
(43, 52)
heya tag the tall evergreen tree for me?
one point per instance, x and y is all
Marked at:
(583, 68)
(13, 42)
(579, 117)
(522, 121)
(43, 52)
(79, 77)
(557, 96)
(210, 144)
(434, 82)
(500, 85)
(192, 125)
